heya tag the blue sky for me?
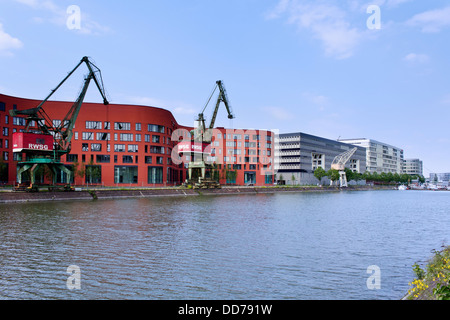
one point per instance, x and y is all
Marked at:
(294, 65)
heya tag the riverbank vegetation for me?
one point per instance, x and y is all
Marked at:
(433, 281)
(374, 178)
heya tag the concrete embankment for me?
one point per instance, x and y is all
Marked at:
(99, 194)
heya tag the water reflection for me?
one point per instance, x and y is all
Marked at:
(279, 246)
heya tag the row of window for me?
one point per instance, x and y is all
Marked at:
(123, 126)
(125, 137)
(71, 158)
(246, 144)
(97, 147)
(239, 137)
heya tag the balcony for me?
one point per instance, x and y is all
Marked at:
(287, 167)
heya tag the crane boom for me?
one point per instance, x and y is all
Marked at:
(53, 139)
(223, 97)
(340, 161)
(339, 164)
(202, 131)
(64, 131)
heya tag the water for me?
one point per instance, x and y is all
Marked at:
(276, 246)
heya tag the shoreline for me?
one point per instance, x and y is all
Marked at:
(108, 194)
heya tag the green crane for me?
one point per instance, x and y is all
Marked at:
(60, 133)
(203, 135)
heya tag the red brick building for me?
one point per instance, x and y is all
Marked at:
(129, 145)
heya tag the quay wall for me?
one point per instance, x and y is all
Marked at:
(99, 194)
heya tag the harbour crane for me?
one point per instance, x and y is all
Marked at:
(202, 135)
(52, 139)
(339, 163)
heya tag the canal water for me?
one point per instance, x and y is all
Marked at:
(285, 246)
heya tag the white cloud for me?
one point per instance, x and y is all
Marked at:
(59, 17)
(8, 43)
(326, 21)
(431, 21)
(319, 101)
(278, 113)
(415, 57)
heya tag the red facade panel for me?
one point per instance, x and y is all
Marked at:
(30, 141)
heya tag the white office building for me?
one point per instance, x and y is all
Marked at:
(380, 157)
(413, 167)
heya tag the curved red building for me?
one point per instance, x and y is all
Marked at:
(131, 145)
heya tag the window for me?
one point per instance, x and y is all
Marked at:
(155, 175)
(76, 135)
(133, 148)
(2, 106)
(138, 137)
(268, 179)
(56, 123)
(87, 136)
(119, 148)
(85, 147)
(126, 137)
(318, 160)
(138, 127)
(157, 149)
(159, 160)
(148, 159)
(147, 138)
(155, 128)
(7, 143)
(5, 132)
(127, 159)
(18, 121)
(103, 136)
(122, 126)
(123, 174)
(155, 139)
(96, 147)
(5, 156)
(94, 125)
(72, 158)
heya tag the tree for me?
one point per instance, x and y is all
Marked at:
(320, 173)
(293, 179)
(79, 170)
(349, 174)
(421, 179)
(333, 175)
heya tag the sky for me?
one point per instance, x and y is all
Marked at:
(376, 69)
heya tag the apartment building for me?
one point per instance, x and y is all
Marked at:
(131, 145)
(380, 157)
(298, 155)
(413, 167)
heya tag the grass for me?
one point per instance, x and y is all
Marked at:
(433, 282)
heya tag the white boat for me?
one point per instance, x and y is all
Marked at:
(402, 188)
